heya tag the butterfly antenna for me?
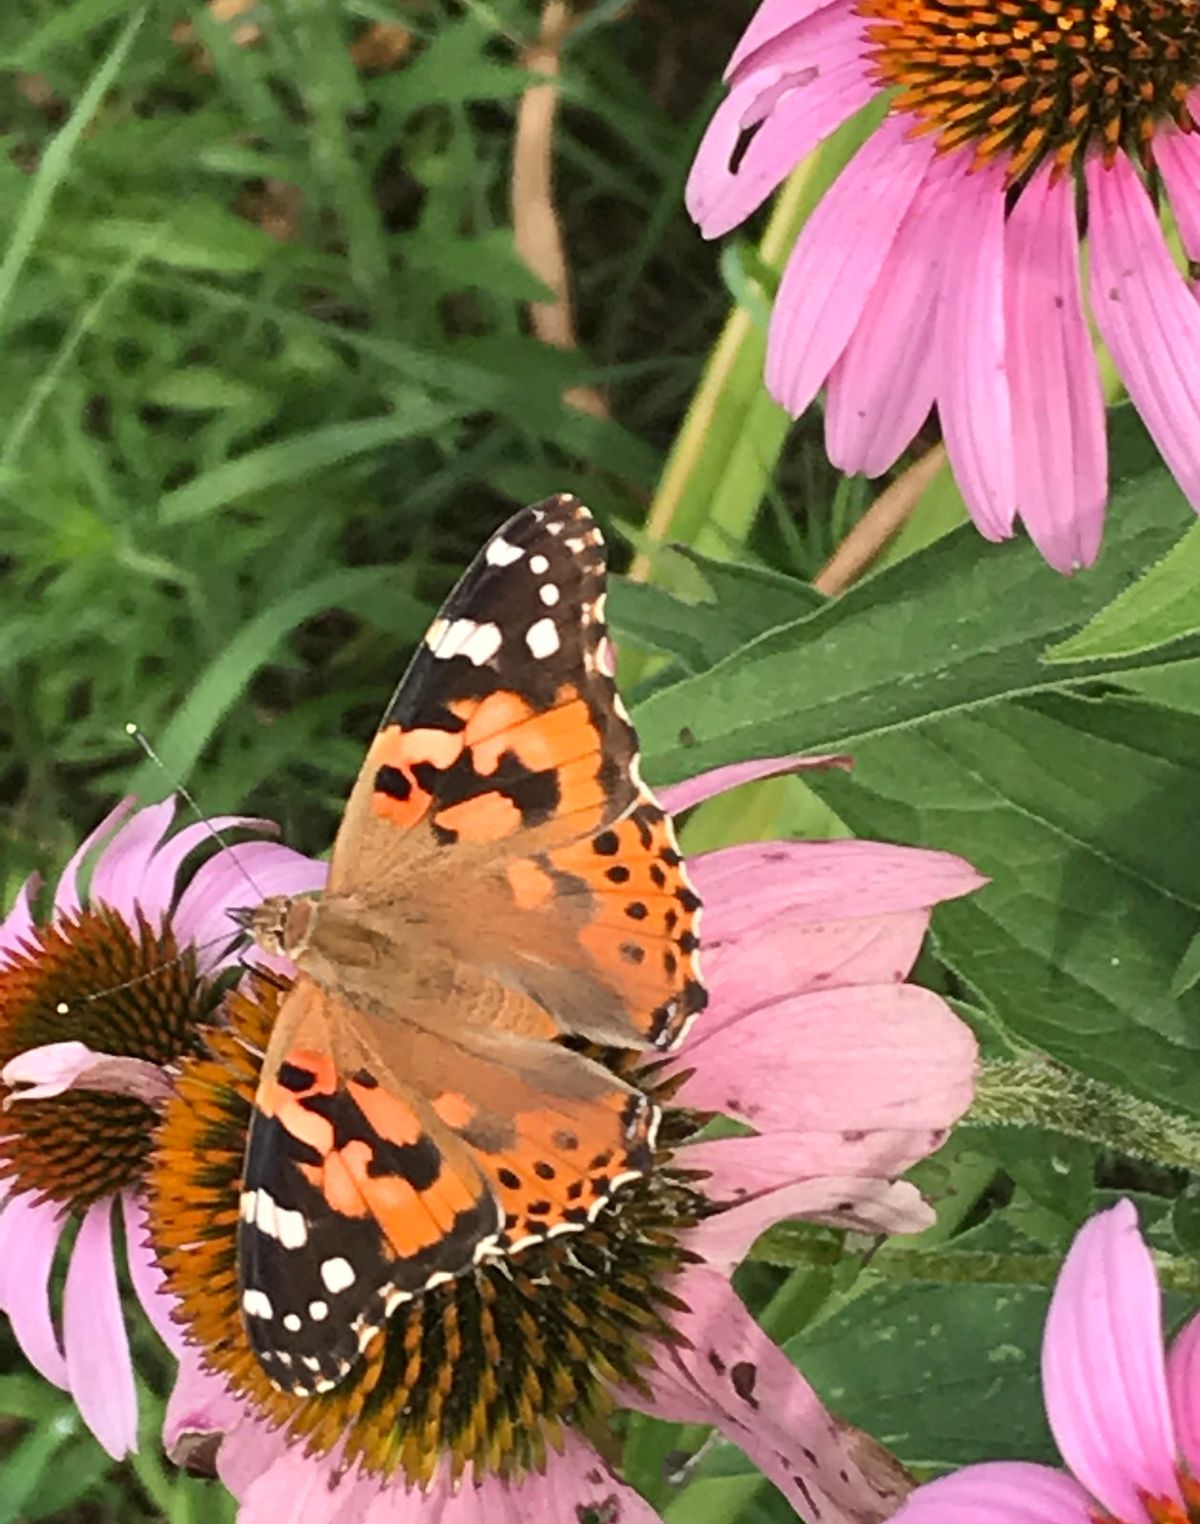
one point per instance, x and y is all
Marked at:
(63, 1008)
(136, 733)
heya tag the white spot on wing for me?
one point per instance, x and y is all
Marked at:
(337, 1274)
(257, 1304)
(542, 639)
(463, 637)
(538, 565)
(291, 1322)
(290, 1228)
(318, 1311)
(501, 552)
(549, 594)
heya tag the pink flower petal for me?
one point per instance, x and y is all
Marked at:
(296, 1489)
(66, 895)
(772, 20)
(733, 1376)
(575, 1485)
(973, 399)
(857, 1202)
(742, 1167)
(891, 1056)
(1059, 440)
(156, 892)
(247, 873)
(819, 881)
(884, 382)
(1177, 155)
(29, 1235)
(677, 797)
(1146, 315)
(999, 1492)
(1103, 1373)
(17, 927)
(808, 84)
(752, 969)
(248, 1452)
(199, 1409)
(56, 1067)
(1183, 1389)
(99, 1366)
(122, 866)
(147, 1277)
(837, 261)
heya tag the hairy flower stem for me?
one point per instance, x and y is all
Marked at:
(1032, 1093)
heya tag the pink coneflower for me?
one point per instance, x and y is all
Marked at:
(485, 1399)
(943, 266)
(66, 1160)
(1126, 1420)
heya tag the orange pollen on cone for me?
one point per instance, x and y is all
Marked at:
(1031, 80)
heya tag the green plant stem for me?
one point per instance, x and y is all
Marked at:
(1032, 1093)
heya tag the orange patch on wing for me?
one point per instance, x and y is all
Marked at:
(489, 729)
(403, 750)
(387, 1114)
(531, 886)
(487, 817)
(453, 1108)
(581, 793)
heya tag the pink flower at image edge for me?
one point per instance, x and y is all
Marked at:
(135, 870)
(1123, 1415)
(909, 287)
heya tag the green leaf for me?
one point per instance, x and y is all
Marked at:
(222, 684)
(1082, 814)
(942, 1375)
(957, 627)
(1164, 606)
(292, 460)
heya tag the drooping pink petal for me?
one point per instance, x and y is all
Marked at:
(296, 1489)
(147, 1277)
(772, 20)
(1177, 155)
(749, 970)
(739, 1168)
(677, 797)
(999, 1492)
(892, 1056)
(837, 260)
(122, 866)
(29, 1235)
(883, 385)
(1103, 1372)
(732, 1375)
(973, 397)
(857, 1202)
(1146, 315)
(1059, 438)
(576, 1484)
(99, 1365)
(247, 873)
(808, 84)
(1183, 1390)
(200, 1409)
(155, 892)
(56, 1067)
(17, 926)
(819, 881)
(67, 895)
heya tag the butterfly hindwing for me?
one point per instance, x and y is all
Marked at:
(378, 1171)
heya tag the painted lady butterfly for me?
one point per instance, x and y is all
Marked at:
(502, 880)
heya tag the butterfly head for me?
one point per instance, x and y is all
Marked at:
(281, 924)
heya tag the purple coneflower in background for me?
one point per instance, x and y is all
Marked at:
(1126, 1420)
(68, 1162)
(942, 267)
(847, 1075)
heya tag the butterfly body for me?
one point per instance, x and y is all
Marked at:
(502, 881)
